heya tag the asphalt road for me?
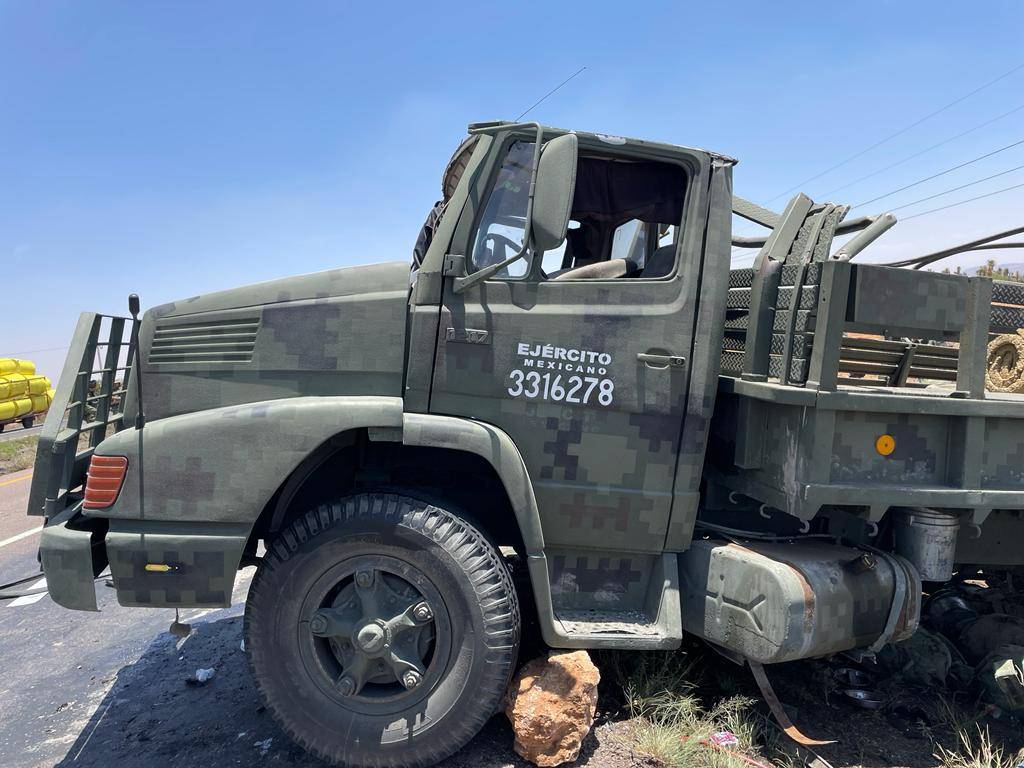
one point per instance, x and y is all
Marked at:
(14, 431)
(108, 688)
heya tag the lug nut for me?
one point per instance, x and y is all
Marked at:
(364, 578)
(411, 679)
(346, 686)
(422, 612)
(318, 624)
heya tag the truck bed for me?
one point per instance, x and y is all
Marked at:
(862, 388)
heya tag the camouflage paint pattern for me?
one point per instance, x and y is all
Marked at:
(340, 332)
(67, 559)
(776, 602)
(190, 565)
(242, 385)
(223, 465)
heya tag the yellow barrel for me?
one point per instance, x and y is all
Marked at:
(15, 409)
(13, 365)
(17, 385)
(37, 385)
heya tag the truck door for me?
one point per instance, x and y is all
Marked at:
(583, 358)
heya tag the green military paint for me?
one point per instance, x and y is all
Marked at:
(624, 390)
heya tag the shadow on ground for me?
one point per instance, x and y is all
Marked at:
(151, 716)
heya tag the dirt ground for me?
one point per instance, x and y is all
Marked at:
(151, 714)
(17, 454)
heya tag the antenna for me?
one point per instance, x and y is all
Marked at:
(549, 93)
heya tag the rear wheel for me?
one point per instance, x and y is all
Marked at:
(382, 630)
(28, 422)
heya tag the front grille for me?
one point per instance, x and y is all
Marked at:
(210, 341)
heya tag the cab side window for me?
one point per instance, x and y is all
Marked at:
(625, 220)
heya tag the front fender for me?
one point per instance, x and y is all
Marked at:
(196, 485)
(224, 464)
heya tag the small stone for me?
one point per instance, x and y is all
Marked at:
(551, 705)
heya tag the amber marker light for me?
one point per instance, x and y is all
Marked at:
(885, 445)
(104, 481)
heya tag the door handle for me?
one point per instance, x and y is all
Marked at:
(662, 361)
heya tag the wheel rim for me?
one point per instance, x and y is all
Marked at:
(375, 634)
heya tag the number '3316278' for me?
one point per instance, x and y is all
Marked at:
(578, 390)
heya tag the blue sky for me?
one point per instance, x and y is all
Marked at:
(176, 148)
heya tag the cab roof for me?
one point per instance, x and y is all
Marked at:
(605, 138)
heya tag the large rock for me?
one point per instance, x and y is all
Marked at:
(551, 706)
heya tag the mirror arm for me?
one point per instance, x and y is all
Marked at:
(460, 284)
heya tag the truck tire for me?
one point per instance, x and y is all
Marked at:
(382, 631)
(28, 422)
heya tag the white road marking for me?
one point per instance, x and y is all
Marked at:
(29, 599)
(20, 536)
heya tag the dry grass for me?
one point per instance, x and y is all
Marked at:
(977, 752)
(673, 727)
(17, 454)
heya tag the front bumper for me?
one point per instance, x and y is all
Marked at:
(173, 565)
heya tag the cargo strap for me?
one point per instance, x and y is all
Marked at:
(777, 710)
(899, 596)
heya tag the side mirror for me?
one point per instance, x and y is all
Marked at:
(553, 193)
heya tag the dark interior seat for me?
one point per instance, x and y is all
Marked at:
(659, 263)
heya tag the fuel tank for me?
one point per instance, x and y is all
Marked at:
(340, 332)
(781, 601)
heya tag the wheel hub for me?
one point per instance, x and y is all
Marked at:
(372, 638)
(379, 629)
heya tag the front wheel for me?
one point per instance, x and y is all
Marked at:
(382, 630)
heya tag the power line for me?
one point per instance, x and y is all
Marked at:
(956, 189)
(940, 173)
(542, 98)
(908, 158)
(964, 202)
(754, 251)
(34, 351)
(900, 132)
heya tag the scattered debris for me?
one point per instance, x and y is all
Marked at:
(551, 705)
(723, 739)
(984, 634)
(923, 659)
(864, 698)
(201, 677)
(1001, 676)
(848, 677)
(264, 746)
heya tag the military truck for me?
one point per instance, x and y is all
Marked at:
(571, 414)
